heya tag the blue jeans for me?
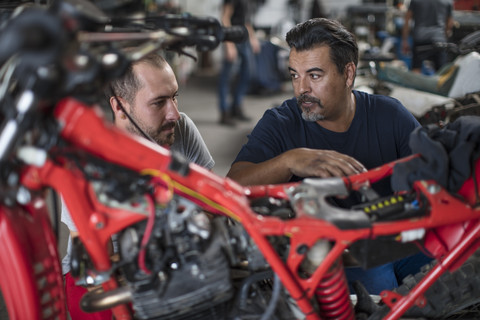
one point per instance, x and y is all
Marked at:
(386, 276)
(410, 265)
(243, 50)
(375, 280)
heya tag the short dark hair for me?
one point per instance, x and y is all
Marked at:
(128, 85)
(321, 31)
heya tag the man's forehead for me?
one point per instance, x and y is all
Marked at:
(306, 59)
(320, 50)
(163, 75)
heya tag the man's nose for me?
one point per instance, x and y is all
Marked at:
(304, 85)
(172, 111)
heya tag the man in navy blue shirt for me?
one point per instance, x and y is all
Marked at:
(329, 129)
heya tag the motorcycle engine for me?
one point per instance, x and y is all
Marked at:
(190, 274)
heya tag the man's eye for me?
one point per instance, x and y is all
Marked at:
(160, 103)
(314, 76)
(293, 75)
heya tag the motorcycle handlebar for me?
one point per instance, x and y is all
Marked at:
(235, 34)
(57, 36)
(469, 43)
(36, 32)
(205, 33)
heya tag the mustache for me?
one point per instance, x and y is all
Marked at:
(306, 98)
(168, 126)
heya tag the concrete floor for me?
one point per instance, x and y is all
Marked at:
(198, 99)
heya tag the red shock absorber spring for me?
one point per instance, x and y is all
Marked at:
(333, 295)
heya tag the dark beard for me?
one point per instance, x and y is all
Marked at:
(164, 141)
(155, 135)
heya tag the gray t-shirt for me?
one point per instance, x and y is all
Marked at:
(430, 18)
(188, 142)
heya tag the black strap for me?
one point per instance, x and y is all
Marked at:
(144, 134)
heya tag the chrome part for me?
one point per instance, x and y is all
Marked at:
(98, 300)
(23, 196)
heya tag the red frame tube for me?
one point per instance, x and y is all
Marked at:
(86, 130)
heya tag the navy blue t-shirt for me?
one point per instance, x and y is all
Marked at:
(379, 132)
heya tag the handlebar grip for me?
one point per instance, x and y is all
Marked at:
(34, 34)
(235, 33)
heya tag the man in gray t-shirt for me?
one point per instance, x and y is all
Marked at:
(144, 102)
(432, 23)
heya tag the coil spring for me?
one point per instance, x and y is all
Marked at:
(333, 295)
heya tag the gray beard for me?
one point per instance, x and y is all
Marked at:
(307, 113)
(312, 117)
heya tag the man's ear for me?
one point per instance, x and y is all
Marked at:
(350, 70)
(117, 110)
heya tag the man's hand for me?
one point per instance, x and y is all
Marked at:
(231, 51)
(304, 163)
(301, 162)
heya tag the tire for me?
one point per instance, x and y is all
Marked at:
(452, 295)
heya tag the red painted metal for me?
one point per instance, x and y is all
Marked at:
(30, 272)
(86, 130)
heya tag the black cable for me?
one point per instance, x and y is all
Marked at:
(247, 282)
(144, 134)
(273, 300)
(55, 213)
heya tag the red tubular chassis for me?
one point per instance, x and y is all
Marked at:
(35, 263)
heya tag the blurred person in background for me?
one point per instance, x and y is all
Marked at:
(432, 23)
(236, 12)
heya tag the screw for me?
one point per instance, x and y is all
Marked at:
(433, 188)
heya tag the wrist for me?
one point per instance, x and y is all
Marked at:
(287, 162)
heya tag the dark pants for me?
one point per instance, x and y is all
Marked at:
(387, 276)
(427, 51)
(242, 84)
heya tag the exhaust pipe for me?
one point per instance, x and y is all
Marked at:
(98, 300)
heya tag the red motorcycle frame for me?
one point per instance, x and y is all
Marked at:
(30, 269)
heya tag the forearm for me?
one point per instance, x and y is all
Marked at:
(272, 171)
(227, 13)
(406, 25)
(301, 162)
(251, 32)
(449, 27)
(252, 38)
